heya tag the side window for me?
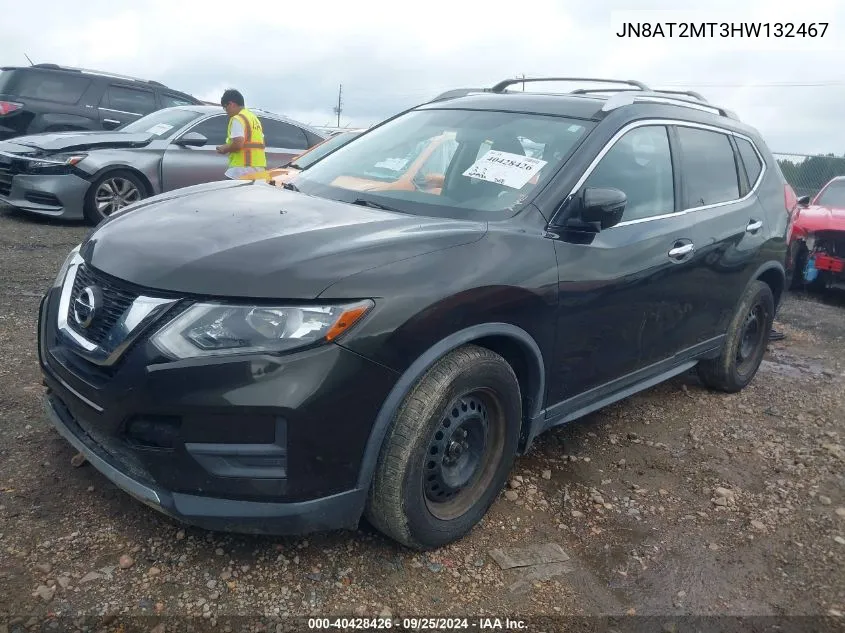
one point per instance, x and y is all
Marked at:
(169, 101)
(640, 165)
(283, 135)
(709, 167)
(750, 159)
(214, 129)
(132, 100)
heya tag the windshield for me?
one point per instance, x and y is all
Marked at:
(161, 123)
(320, 150)
(833, 196)
(456, 163)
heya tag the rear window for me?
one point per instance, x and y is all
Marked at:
(59, 87)
(709, 167)
(750, 159)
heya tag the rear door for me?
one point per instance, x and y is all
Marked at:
(726, 226)
(283, 141)
(121, 104)
(186, 166)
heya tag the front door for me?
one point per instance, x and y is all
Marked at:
(626, 292)
(186, 166)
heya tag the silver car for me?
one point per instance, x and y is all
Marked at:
(90, 175)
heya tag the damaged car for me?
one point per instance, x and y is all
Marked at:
(816, 255)
(90, 175)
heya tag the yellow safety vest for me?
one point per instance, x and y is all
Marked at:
(252, 153)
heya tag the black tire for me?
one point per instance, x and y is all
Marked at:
(93, 212)
(745, 345)
(416, 497)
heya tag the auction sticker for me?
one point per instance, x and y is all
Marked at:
(503, 168)
(161, 128)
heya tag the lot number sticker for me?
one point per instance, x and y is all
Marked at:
(503, 168)
(161, 128)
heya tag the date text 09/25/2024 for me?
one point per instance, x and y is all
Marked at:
(723, 29)
(417, 624)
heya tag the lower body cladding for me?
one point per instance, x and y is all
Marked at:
(251, 444)
(55, 196)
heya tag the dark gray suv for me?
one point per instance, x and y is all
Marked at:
(52, 98)
(288, 359)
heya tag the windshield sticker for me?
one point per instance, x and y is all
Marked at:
(574, 128)
(503, 168)
(161, 128)
(393, 164)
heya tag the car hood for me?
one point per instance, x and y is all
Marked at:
(76, 141)
(252, 240)
(818, 218)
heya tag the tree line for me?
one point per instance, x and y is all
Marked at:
(808, 176)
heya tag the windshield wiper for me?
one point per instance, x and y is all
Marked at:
(290, 186)
(374, 205)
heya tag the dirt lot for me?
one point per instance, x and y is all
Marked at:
(677, 501)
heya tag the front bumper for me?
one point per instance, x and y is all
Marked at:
(259, 445)
(51, 195)
(340, 511)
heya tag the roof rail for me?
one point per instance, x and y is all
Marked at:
(631, 92)
(459, 92)
(629, 97)
(688, 93)
(500, 87)
(99, 73)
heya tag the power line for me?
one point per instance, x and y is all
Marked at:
(764, 85)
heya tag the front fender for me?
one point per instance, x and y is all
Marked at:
(422, 364)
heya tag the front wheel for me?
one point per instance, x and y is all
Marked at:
(745, 342)
(449, 450)
(111, 192)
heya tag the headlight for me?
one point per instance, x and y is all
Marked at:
(212, 329)
(60, 278)
(57, 161)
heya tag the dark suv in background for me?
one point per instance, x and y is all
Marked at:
(52, 98)
(286, 359)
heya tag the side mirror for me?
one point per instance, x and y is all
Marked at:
(191, 139)
(804, 201)
(602, 207)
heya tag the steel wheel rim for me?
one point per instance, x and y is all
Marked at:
(462, 454)
(752, 337)
(114, 194)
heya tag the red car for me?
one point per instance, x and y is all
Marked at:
(816, 256)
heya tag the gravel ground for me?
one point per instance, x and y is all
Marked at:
(676, 501)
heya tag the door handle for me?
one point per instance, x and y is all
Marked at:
(754, 226)
(679, 252)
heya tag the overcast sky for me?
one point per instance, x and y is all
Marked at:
(291, 56)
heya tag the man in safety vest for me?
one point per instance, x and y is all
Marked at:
(244, 137)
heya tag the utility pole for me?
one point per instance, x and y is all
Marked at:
(523, 82)
(339, 107)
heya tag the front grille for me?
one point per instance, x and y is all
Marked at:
(116, 301)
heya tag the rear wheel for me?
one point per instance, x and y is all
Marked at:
(745, 343)
(111, 192)
(449, 451)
